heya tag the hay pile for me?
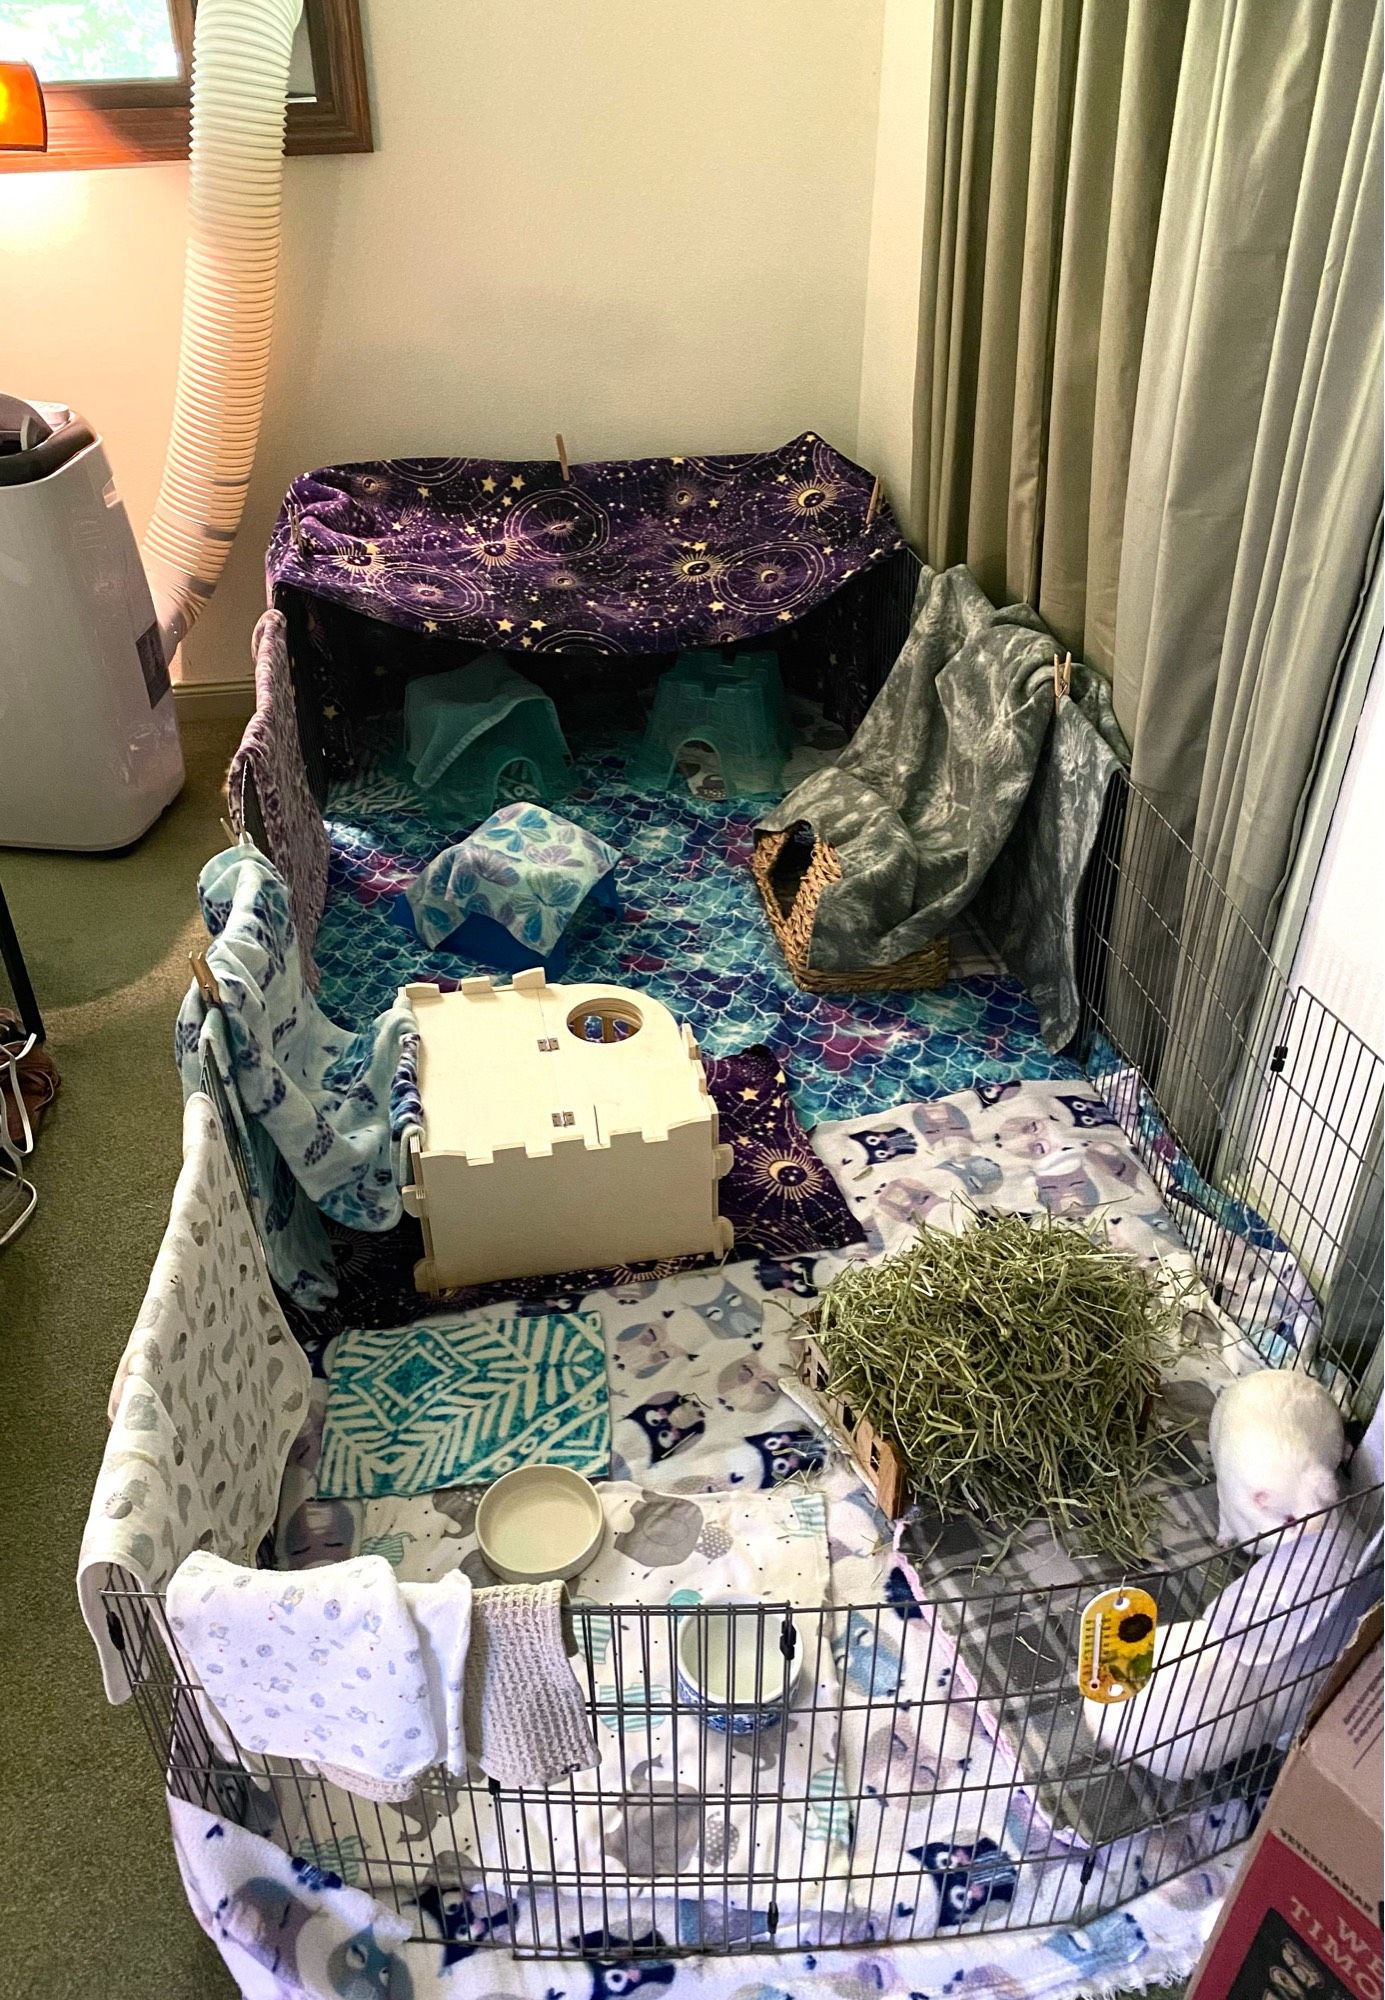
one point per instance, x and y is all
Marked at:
(1012, 1367)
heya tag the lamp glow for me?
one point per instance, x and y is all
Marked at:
(23, 117)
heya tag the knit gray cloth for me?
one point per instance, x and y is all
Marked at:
(525, 1719)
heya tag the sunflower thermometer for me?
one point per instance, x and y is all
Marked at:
(1115, 1651)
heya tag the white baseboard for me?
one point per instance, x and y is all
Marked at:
(214, 701)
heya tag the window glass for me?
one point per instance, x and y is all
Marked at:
(89, 41)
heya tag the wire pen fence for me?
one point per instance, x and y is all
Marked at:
(927, 1761)
(890, 1835)
(1256, 1111)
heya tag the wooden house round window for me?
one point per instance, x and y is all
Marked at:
(604, 1021)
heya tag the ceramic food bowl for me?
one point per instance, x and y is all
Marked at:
(736, 1679)
(538, 1523)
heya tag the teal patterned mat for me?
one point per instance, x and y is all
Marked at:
(692, 932)
(458, 1401)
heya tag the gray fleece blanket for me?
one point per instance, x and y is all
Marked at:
(962, 790)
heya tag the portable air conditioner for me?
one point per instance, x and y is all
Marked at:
(89, 751)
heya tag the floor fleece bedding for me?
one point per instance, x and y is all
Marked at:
(905, 1800)
(946, 1829)
(692, 932)
(287, 1928)
(1026, 1149)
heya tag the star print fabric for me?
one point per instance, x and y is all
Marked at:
(778, 1193)
(626, 556)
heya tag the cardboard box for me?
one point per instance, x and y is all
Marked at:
(1303, 1918)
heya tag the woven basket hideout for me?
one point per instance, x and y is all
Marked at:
(793, 926)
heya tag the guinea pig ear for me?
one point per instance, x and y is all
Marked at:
(1260, 1499)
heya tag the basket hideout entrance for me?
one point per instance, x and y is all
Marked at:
(791, 893)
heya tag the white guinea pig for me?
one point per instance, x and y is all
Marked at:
(1277, 1442)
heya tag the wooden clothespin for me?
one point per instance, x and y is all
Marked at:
(562, 458)
(205, 978)
(1062, 678)
(873, 504)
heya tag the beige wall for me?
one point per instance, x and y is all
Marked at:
(645, 224)
(889, 350)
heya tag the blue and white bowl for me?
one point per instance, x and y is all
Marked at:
(731, 1667)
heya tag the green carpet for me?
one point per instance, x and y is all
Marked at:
(91, 1896)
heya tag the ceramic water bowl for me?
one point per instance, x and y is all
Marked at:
(539, 1522)
(731, 1666)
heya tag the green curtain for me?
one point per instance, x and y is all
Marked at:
(1048, 136)
(1254, 500)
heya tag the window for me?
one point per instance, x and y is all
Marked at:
(91, 41)
(114, 74)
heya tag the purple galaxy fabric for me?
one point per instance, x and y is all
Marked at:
(294, 834)
(628, 556)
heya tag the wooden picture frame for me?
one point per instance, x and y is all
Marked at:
(131, 123)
